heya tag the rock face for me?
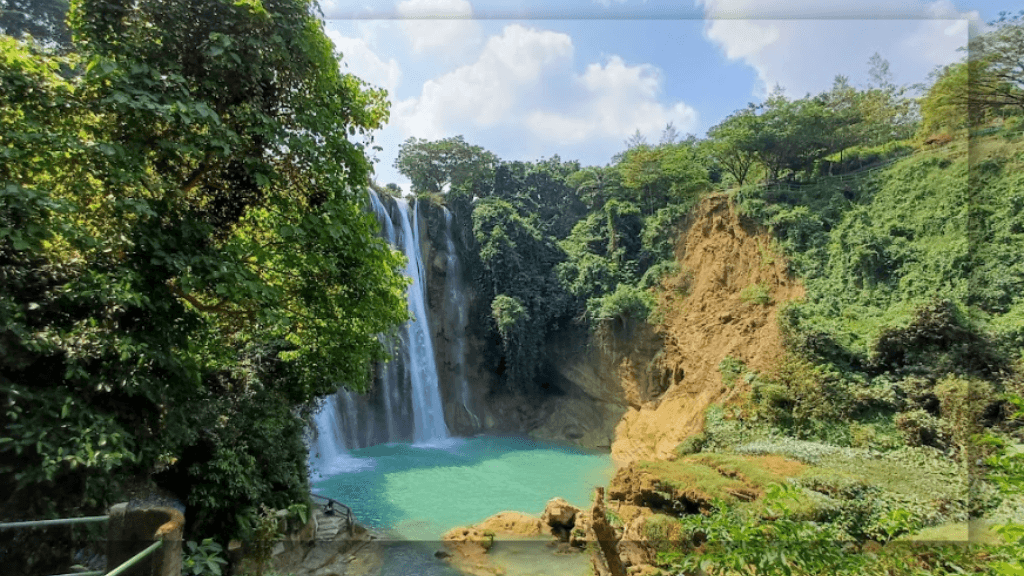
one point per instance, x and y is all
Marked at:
(606, 559)
(721, 254)
(560, 518)
(636, 389)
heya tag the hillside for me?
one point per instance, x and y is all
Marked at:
(723, 303)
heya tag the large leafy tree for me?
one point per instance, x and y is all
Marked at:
(663, 174)
(734, 143)
(542, 188)
(188, 262)
(443, 166)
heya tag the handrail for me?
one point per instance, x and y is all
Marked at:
(329, 510)
(135, 559)
(56, 522)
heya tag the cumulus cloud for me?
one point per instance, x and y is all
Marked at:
(818, 40)
(612, 100)
(359, 59)
(439, 25)
(486, 92)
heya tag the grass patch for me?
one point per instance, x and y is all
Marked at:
(697, 481)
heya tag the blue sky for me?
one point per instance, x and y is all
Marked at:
(532, 79)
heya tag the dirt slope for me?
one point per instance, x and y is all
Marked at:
(706, 319)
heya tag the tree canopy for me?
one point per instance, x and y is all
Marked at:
(444, 165)
(187, 257)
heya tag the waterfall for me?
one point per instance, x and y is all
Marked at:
(428, 414)
(456, 317)
(405, 403)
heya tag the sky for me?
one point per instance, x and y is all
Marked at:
(533, 79)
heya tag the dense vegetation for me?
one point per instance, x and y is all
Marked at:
(902, 357)
(187, 263)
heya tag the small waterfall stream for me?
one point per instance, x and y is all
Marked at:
(456, 316)
(405, 403)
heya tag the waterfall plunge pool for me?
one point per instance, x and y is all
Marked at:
(418, 492)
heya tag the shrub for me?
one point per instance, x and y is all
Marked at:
(627, 302)
(963, 402)
(509, 314)
(691, 445)
(759, 293)
(731, 369)
(203, 559)
(919, 428)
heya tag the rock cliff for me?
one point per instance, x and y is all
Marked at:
(632, 387)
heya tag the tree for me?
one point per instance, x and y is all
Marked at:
(541, 189)
(444, 166)
(734, 144)
(595, 185)
(669, 173)
(887, 113)
(990, 79)
(670, 135)
(189, 257)
(519, 261)
(946, 103)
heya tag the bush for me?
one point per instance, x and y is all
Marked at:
(962, 403)
(919, 428)
(759, 293)
(626, 303)
(731, 369)
(692, 445)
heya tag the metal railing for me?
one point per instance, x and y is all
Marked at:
(329, 505)
(84, 520)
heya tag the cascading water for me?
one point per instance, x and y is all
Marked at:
(428, 413)
(456, 318)
(405, 403)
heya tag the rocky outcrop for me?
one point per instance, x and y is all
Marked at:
(707, 318)
(565, 522)
(512, 524)
(605, 558)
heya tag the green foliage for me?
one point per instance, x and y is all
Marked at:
(603, 251)
(731, 369)
(449, 166)
(626, 303)
(519, 263)
(662, 230)
(759, 293)
(510, 316)
(186, 256)
(202, 559)
(860, 157)
(662, 175)
(692, 445)
(263, 532)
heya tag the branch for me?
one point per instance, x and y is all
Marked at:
(218, 308)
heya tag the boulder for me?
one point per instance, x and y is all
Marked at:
(560, 517)
(468, 541)
(512, 523)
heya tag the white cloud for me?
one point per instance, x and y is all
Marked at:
(484, 93)
(359, 59)
(439, 25)
(612, 101)
(822, 39)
